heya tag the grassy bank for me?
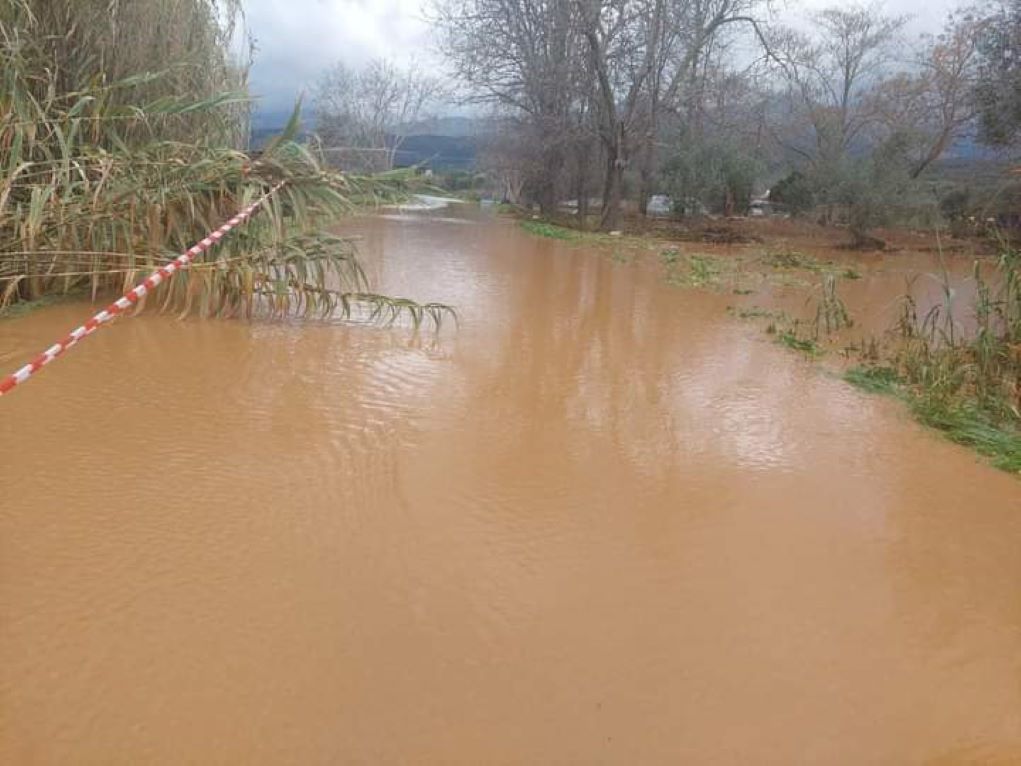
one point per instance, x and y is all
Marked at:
(552, 231)
(962, 421)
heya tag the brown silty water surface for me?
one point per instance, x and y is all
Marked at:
(600, 522)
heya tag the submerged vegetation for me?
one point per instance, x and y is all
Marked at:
(550, 231)
(793, 339)
(111, 168)
(964, 380)
(958, 419)
(785, 258)
(698, 270)
(957, 368)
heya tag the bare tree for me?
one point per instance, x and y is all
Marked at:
(584, 151)
(510, 156)
(364, 114)
(624, 42)
(830, 78)
(936, 103)
(720, 147)
(693, 45)
(642, 54)
(517, 55)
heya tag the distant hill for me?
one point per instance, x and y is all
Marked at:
(456, 127)
(438, 152)
(444, 143)
(968, 148)
(267, 123)
(266, 119)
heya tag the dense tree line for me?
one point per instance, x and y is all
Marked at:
(707, 101)
(595, 83)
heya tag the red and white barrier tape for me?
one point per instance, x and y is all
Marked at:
(131, 297)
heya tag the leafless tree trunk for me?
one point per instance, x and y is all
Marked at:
(624, 41)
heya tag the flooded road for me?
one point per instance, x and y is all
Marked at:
(601, 522)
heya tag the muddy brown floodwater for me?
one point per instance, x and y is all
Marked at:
(602, 522)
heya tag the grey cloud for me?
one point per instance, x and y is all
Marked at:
(297, 39)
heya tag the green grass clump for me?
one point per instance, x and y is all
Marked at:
(959, 420)
(874, 379)
(831, 315)
(792, 259)
(793, 341)
(755, 312)
(703, 269)
(972, 428)
(966, 378)
(670, 256)
(550, 231)
(697, 270)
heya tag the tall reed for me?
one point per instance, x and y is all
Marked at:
(110, 166)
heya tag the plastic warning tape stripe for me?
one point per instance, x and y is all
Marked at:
(131, 297)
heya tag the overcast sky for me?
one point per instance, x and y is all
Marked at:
(297, 39)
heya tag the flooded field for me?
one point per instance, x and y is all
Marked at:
(602, 521)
